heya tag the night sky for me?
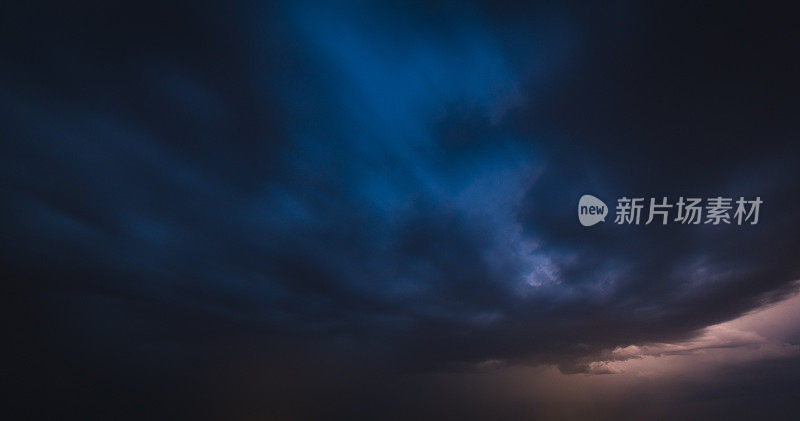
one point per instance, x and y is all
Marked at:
(367, 210)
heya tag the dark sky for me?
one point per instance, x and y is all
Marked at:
(298, 210)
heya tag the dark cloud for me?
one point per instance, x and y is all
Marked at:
(286, 210)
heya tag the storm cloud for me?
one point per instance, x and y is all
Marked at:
(302, 210)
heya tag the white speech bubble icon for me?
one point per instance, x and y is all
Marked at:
(591, 210)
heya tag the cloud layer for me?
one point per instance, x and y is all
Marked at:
(386, 190)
